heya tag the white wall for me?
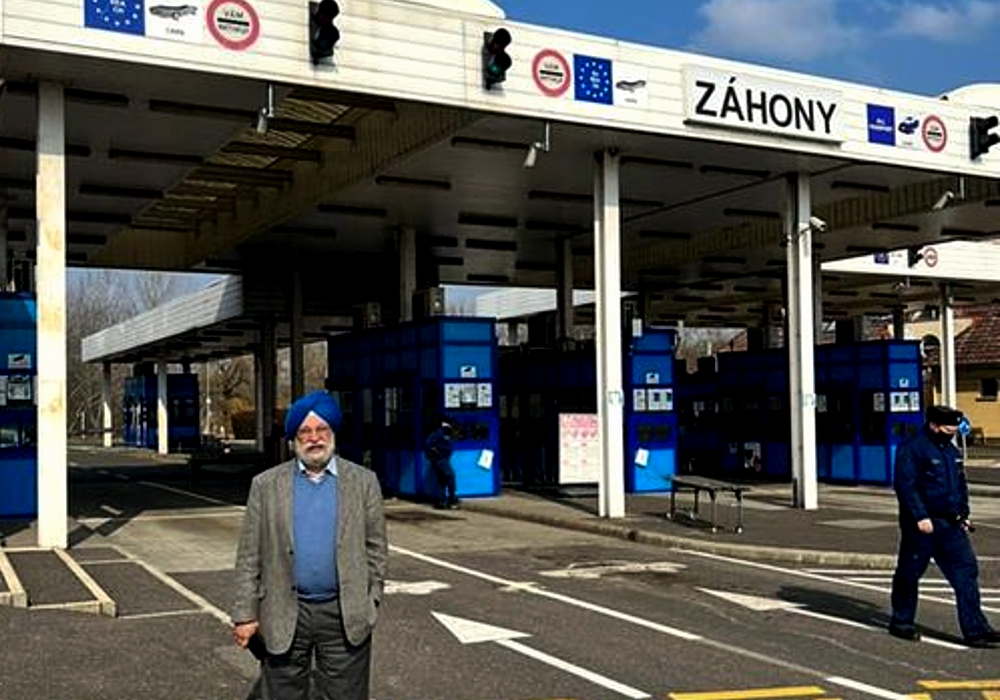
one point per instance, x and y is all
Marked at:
(424, 53)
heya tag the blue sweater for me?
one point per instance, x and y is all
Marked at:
(314, 508)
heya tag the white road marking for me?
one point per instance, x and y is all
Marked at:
(868, 689)
(594, 571)
(813, 576)
(649, 624)
(473, 632)
(201, 603)
(182, 492)
(413, 587)
(762, 604)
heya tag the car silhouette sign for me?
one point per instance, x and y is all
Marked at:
(174, 12)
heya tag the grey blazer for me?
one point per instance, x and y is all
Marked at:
(265, 574)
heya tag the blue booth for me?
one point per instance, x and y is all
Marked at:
(538, 385)
(18, 406)
(395, 384)
(650, 418)
(139, 411)
(869, 398)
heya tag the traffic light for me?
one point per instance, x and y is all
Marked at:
(913, 256)
(496, 61)
(323, 35)
(980, 138)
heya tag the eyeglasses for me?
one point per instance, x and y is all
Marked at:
(320, 432)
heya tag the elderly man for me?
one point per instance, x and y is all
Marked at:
(311, 563)
(934, 522)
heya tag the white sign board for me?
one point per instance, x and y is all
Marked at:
(746, 102)
(579, 449)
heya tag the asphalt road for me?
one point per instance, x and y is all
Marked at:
(482, 608)
(655, 620)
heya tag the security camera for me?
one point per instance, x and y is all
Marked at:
(945, 200)
(262, 117)
(532, 157)
(817, 223)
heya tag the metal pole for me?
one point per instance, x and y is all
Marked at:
(949, 383)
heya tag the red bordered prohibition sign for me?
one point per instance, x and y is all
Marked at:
(934, 133)
(237, 32)
(551, 72)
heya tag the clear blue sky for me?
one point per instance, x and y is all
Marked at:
(920, 46)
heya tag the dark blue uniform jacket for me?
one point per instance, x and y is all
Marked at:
(930, 480)
(438, 447)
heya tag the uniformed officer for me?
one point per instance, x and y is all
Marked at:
(934, 522)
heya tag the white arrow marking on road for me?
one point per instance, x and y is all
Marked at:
(761, 604)
(597, 570)
(414, 587)
(472, 632)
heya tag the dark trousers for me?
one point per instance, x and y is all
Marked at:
(446, 482)
(341, 669)
(950, 547)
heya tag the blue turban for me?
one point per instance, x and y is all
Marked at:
(318, 402)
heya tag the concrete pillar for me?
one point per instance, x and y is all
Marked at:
(564, 287)
(899, 322)
(50, 211)
(406, 242)
(949, 380)
(260, 423)
(162, 416)
(296, 347)
(773, 326)
(107, 417)
(607, 278)
(800, 341)
(817, 296)
(268, 379)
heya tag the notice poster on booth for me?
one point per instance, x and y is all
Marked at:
(579, 449)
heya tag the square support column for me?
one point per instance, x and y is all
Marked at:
(949, 380)
(607, 279)
(564, 293)
(107, 417)
(162, 417)
(801, 340)
(406, 242)
(50, 210)
(296, 349)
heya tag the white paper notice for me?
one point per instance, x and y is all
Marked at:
(485, 460)
(452, 396)
(642, 457)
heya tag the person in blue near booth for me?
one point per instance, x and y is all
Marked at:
(311, 564)
(934, 522)
(439, 449)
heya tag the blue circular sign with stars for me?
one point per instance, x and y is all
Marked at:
(125, 16)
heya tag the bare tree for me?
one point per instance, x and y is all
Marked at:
(99, 299)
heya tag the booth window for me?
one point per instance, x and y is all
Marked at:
(987, 389)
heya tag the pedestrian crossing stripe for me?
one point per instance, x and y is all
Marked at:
(800, 691)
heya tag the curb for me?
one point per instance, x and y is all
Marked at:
(744, 551)
(15, 595)
(101, 604)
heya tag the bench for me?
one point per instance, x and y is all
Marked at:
(713, 487)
